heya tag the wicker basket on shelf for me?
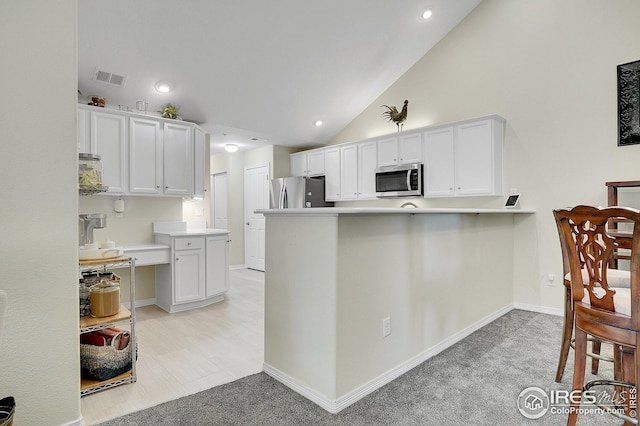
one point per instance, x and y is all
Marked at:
(104, 362)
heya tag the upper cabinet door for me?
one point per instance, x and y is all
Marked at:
(388, 151)
(474, 155)
(367, 160)
(410, 148)
(349, 172)
(108, 140)
(199, 163)
(145, 156)
(178, 159)
(332, 178)
(84, 137)
(298, 164)
(439, 163)
(315, 163)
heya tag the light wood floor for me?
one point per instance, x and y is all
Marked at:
(187, 352)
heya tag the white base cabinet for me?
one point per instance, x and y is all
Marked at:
(198, 273)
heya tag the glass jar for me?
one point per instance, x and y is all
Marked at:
(89, 171)
(104, 298)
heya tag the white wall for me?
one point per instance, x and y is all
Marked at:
(234, 165)
(39, 351)
(549, 68)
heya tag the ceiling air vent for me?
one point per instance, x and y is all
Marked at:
(257, 140)
(109, 78)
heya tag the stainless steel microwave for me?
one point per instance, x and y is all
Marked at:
(404, 180)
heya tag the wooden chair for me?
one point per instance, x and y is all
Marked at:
(611, 315)
(616, 278)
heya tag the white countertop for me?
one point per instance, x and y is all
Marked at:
(335, 211)
(194, 232)
(145, 247)
(177, 229)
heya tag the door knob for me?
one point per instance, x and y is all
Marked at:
(247, 223)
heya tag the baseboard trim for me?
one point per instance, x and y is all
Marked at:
(140, 303)
(336, 405)
(77, 422)
(539, 309)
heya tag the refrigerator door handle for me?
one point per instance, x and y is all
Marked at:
(281, 197)
(285, 198)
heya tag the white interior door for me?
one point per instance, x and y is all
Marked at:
(256, 196)
(219, 201)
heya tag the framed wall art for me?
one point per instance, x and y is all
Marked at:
(629, 103)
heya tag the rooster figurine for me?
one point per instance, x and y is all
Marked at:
(397, 117)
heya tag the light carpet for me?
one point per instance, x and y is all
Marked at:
(475, 382)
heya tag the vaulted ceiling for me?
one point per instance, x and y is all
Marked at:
(266, 70)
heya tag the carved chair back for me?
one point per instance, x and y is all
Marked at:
(588, 249)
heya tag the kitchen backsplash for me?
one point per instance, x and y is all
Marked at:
(135, 224)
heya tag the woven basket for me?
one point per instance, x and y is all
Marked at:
(7, 410)
(104, 362)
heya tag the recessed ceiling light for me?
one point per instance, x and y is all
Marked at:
(163, 86)
(231, 147)
(317, 123)
(427, 14)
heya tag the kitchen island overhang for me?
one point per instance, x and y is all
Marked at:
(333, 275)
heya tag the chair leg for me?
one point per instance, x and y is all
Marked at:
(580, 364)
(595, 348)
(567, 331)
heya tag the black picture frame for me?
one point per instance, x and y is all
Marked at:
(629, 103)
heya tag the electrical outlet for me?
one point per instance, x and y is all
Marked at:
(551, 279)
(386, 326)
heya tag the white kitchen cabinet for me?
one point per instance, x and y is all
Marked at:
(311, 163)
(332, 174)
(367, 161)
(145, 156)
(197, 274)
(349, 172)
(217, 252)
(189, 270)
(439, 163)
(464, 159)
(178, 159)
(460, 159)
(108, 140)
(199, 165)
(402, 149)
(298, 164)
(83, 134)
(388, 151)
(478, 154)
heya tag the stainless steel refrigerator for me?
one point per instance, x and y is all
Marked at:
(297, 192)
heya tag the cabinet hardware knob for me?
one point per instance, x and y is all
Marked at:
(247, 223)
(188, 244)
(166, 187)
(177, 258)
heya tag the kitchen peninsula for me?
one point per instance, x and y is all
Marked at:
(355, 297)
